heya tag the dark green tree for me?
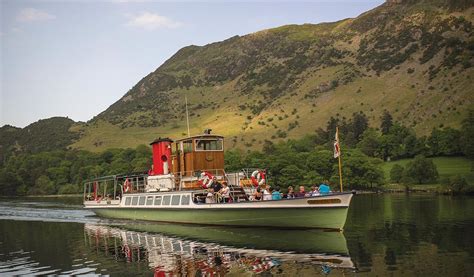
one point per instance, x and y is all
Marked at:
(360, 123)
(396, 173)
(233, 160)
(444, 142)
(467, 135)
(422, 170)
(386, 122)
(370, 143)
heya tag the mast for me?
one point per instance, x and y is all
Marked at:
(187, 114)
(337, 153)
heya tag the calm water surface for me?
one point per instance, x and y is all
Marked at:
(392, 234)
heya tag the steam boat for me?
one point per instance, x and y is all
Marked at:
(175, 190)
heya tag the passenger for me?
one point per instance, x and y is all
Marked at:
(301, 193)
(291, 193)
(276, 195)
(314, 191)
(225, 192)
(267, 194)
(216, 185)
(257, 195)
(324, 188)
(210, 196)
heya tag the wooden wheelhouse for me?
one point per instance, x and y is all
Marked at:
(195, 154)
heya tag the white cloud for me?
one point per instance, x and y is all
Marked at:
(31, 14)
(152, 21)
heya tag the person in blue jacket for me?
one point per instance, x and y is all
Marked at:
(276, 195)
(324, 188)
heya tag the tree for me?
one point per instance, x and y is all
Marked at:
(422, 170)
(43, 185)
(444, 142)
(9, 182)
(370, 143)
(331, 128)
(396, 173)
(360, 123)
(400, 142)
(268, 147)
(358, 170)
(457, 184)
(233, 160)
(386, 122)
(141, 164)
(290, 175)
(321, 162)
(467, 135)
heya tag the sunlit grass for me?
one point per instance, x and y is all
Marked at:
(447, 167)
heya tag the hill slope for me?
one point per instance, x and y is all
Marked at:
(412, 58)
(44, 135)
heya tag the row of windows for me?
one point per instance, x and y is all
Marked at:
(203, 145)
(166, 200)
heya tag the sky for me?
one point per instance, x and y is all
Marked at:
(76, 58)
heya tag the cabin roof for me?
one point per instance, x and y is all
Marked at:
(202, 136)
(160, 139)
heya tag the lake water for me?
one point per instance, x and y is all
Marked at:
(391, 234)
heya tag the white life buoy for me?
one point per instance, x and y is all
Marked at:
(258, 178)
(205, 180)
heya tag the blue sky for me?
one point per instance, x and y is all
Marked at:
(76, 58)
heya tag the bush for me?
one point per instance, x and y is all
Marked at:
(69, 189)
(422, 170)
(396, 173)
(456, 184)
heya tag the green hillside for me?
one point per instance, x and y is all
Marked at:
(44, 135)
(412, 58)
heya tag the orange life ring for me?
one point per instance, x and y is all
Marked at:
(205, 180)
(258, 178)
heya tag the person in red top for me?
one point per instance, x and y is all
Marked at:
(301, 192)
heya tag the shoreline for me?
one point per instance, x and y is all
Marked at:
(49, 195)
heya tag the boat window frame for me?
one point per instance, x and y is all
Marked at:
(140, 202)
(128, 201)
(185, 199)
(197, 140)
(149, 200)
(175, 199)
(166, 203)
(187, 146)
(134, 200)
(160, 197)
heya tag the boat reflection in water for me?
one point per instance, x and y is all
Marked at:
(171, 249)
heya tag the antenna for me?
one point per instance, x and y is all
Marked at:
(187, 114)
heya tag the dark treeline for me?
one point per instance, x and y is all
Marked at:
(308, 160)
(64, 171)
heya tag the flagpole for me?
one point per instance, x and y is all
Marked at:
(339, 157)
(187, 114)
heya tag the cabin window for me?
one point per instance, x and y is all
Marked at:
(135, 200)
(157, 200)
(185, 200)
(149, 200)
(208, 145)
(166, 199)
(141, 201)
(175, 200)
(128, 201)
(187, 146)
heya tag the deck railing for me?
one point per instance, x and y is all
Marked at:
(112, 186)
